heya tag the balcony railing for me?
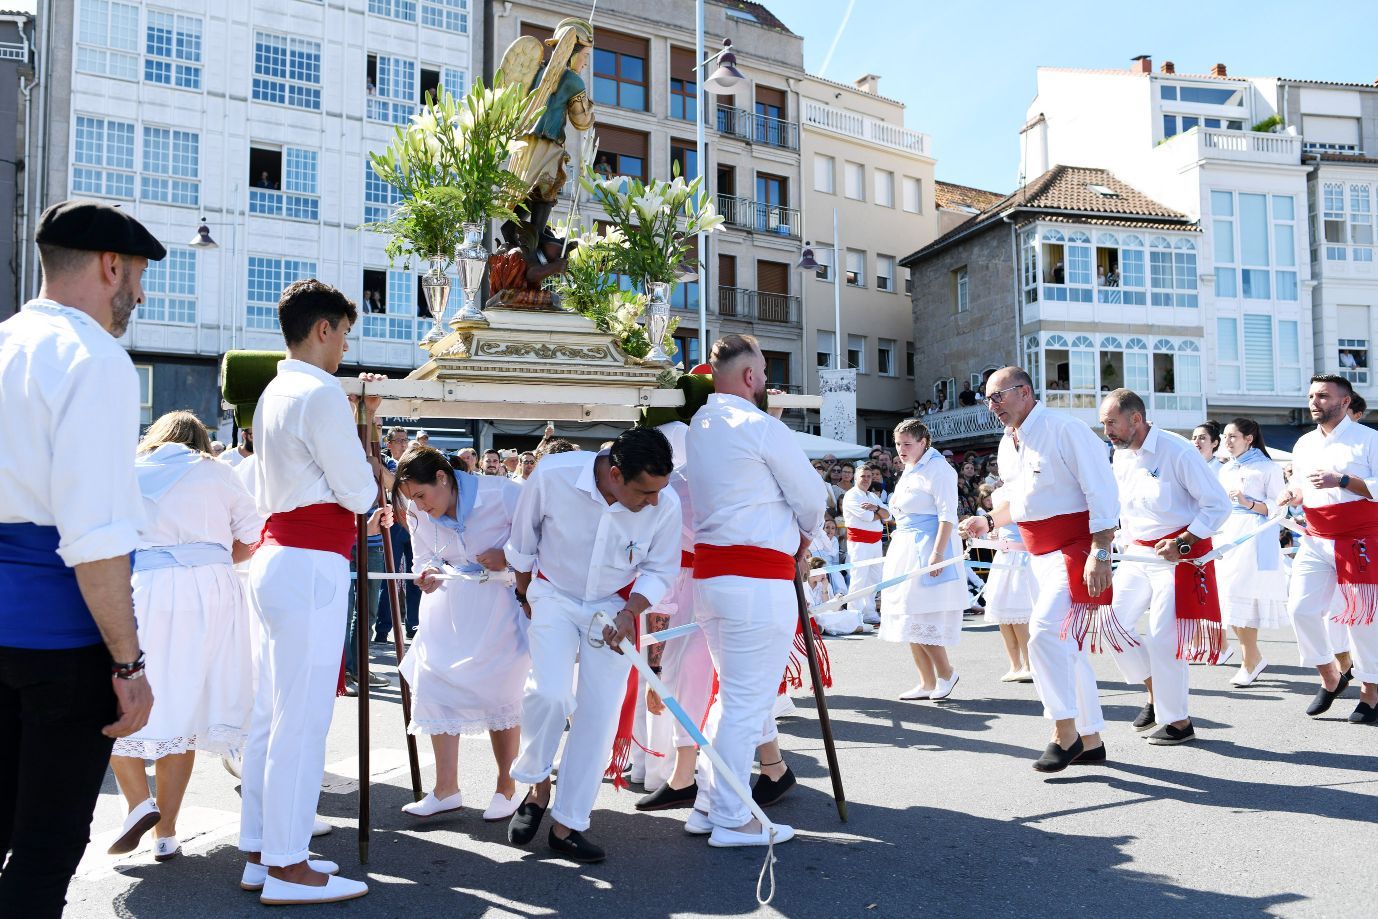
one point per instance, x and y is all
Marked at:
(1246, 146)
(757, 305)
(759, 216)
(861, 127)
(963, 424)
(758, 129)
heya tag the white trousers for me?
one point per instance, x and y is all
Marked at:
(1063, 675)
(1148, 588)
(749, 624)
(300, 597)
(687, 670)
(557, 636)
(1309, 597)
(864, 577)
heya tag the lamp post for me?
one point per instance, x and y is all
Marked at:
(837, 418)
(203, 240)
(808, 263)
(724, 77)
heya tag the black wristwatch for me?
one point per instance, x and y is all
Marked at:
(521, 597)
(1184, 547)
(133, 670)
(1344, 481)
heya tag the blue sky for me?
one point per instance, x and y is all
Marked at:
(966, 69)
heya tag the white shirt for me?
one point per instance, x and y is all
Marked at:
(927, 487)
(232, 457)
(855, 516)
(307, 445)
(750, 483)
(1165, 486)
(489, 525)
(247, 473)
(69, 426)
(586, 547)
(1259, 481)
(208, 504)
(1350, 449)
(1058, 468)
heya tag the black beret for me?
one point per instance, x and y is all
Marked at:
(96, 227)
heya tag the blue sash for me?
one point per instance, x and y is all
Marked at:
(187, 555)
(40, 603)
(924, 529)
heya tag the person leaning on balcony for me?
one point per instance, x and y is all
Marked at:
(967, 397)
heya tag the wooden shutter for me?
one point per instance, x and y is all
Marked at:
(772, 277)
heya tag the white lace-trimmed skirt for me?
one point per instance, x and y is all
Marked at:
(916, 612)
(1010, 589)
(1250, 598)
(193, 625)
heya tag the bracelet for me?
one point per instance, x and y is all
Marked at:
(134, 670)
(990, 522)
(521, 597)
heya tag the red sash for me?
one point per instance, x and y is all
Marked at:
(1352, 525)
(625, 593)
(686, 559)
(743, 561)
(1090, 620)
(324, 527)
(1200, 636)
(855, 534)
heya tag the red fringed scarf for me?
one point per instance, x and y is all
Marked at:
(799, 654)
(622, 740)
(1090, 621)
(1200, 635)
(1353, 526)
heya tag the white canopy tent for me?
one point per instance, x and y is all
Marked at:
(816, 447)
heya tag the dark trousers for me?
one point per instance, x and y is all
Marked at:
(53, 705)
(402, 558)
(375, 597)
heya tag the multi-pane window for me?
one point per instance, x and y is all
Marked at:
(103, 162)
(108, 38)
(173, 50)
(404, 10)
(1353, 357)
(1255, 250)
(909, 358)
(1260, 372)
(686, 353)
(1180, 124)
(392, 89)
(619, 72)
(961, 289)
(1066, 266)
(1289, 355)
(1172, 272)
(287, 71)
(450, 15)
(1361, 237)
(684, 86)
(267, 278)
(885, 188)
(684, 158)
(823, 349)
(885, 272)
(299, 183)
(454, 80)
(823, 255)
(885, 357)
(170, 288)
(621, 153)
(913, 194)
(379, 197)
(1333, 221)
(824, 172)
(856, 268)
(854, 175)
(856, 352)
(145, 372)
(397, 324)
(171, 166)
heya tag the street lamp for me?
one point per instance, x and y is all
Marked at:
(203, 240)
(807, 262)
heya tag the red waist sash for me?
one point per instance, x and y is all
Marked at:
(867, 536)
(743, 561)
(324, 527)
(1090, 620)
(1353, 526)
(686, 559)
(1200, 636)
(625, 593)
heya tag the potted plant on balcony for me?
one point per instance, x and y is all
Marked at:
(450, 166)
(658, 222)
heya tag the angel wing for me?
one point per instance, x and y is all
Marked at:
(521, 61)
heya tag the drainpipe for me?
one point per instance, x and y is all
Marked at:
(1018, 290)
(23, 292)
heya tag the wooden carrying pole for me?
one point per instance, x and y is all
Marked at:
(362, 627)
(824, 724)
(396, 598)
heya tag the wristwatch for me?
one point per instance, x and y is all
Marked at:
(1102, 555)
(134, 670)
(1344, 481)
(521, 597)
(1184, 547)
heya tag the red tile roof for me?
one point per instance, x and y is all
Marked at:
(958, 196)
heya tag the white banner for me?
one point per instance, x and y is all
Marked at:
(837, 419)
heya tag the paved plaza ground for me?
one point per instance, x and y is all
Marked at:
(1269, 813)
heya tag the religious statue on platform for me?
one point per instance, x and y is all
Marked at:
(531, 252)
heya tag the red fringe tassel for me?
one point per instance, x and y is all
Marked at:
(1095, 626)
(1199, 640)
(1360, 602)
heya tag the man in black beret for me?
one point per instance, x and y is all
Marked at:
(71, 672)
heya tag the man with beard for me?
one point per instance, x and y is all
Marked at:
(71, 672)
(1170, 506)
(758, 505)
(1335, 477)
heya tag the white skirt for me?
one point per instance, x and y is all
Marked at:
(468, 663)
(918, 611)
(1249, 598)
(1010, 589)
(194, 626)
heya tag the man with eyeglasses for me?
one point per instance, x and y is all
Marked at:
(1062, 495)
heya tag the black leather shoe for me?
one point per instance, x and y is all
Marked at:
(1168, 735)
(1364, 714)
(1092, 757)
(666, 798)
(525, 822)
(1146, 718)
(768, 791)
(1324, 698)
(575, 847)
(1056, 759)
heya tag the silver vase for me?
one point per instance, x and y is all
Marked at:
(436, 283)
(657, 320)
(472, 259)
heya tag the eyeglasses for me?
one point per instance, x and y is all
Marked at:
(998, 397)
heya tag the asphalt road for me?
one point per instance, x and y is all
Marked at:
(1269, 813)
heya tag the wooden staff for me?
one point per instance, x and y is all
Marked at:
(824, 724)
(396, 597)
(362, 627)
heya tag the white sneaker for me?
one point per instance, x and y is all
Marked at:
(166, 847)
(1226, 656)
(501, 807)
(139, 821)
(320, 828)
(430, 805)
(233, 761)
(918, 692)
(1024, 676)
(944, 688)
(782, 707)
(1012, 676)
(1244, 677)
(724, 838)
(698, 823)
(254, 875)
(285, 893)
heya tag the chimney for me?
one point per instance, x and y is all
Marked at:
(870, 83)
(1218, 70)
(1168, 67)
(1141, 64)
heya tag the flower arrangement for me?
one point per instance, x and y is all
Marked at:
(450, 166)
